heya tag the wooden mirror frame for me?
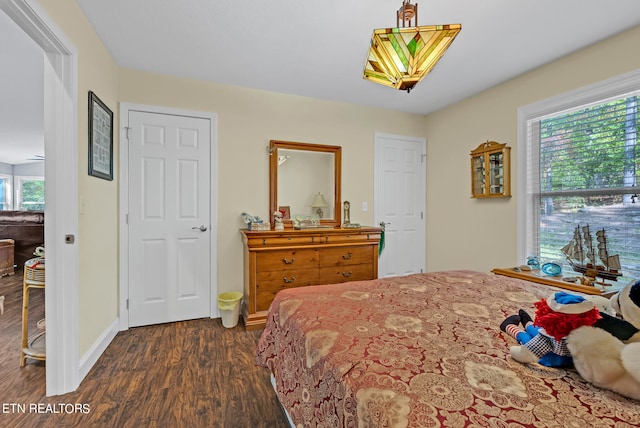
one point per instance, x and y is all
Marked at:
(274, 145)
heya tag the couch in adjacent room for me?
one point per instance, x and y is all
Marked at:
(26, 228)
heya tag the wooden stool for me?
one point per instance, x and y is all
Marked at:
(32, 347)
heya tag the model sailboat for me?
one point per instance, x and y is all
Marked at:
(582, 255)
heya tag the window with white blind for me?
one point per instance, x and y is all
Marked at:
(582, 169)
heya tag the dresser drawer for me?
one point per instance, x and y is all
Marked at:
(286, 278)
(286, 259)
(344, 238)
(340, 256)
(273, 241)
(268, 284)
(332, 275)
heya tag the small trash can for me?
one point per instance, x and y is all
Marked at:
(229, 305)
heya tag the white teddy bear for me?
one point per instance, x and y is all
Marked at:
(605, 360)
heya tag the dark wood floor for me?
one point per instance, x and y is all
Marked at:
(192, 373)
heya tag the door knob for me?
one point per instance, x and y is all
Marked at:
(202, 228)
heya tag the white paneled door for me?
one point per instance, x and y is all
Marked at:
(400, 203)
(169, 218)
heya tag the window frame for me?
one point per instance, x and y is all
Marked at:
(617, 86)
(8, 191)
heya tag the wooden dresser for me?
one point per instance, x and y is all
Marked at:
(276, 260)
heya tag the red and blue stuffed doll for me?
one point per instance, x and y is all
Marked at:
(543, 340)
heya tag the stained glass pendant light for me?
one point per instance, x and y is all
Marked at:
(401, 57)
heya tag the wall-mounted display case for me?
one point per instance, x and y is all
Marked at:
(491, 171)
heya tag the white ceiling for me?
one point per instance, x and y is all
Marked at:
(318, 48)
(21, 95)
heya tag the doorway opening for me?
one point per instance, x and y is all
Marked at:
(60, 217)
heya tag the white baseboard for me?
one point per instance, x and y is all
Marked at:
(99, 346)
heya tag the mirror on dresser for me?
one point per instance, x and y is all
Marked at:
(305, 181)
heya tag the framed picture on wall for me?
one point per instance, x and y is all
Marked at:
(100, 138)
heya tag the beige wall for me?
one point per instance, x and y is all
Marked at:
(481, 234)
(461, 233)
(247, 120)
(98, 199)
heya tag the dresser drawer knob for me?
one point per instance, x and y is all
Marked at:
(289, 281)
(347, 256)
(347, 274)
(288, 262)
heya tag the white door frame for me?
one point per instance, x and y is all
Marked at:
(125, 108)
(376, 212)
(61, 199)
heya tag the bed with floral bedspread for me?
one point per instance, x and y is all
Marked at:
(421, 351)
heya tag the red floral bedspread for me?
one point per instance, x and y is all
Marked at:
(421, 351)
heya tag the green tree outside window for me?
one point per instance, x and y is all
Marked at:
(32, 195)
